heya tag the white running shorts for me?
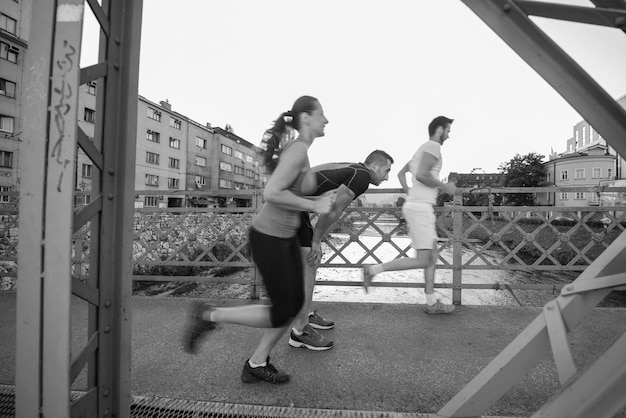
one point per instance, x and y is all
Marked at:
(420, 218)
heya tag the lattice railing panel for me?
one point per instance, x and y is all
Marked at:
(195, 238)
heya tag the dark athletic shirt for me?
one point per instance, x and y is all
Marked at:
(354, 176)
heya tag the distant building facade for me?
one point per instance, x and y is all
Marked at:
(587, 161)
(14, 35)
(475, 180)
(175, 154)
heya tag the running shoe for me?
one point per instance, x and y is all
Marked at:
(318, 322)
(197, 327)
(268, 373)
(439, 308)
(310, 339)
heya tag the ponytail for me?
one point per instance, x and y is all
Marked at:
(284, 129)
(274, 141)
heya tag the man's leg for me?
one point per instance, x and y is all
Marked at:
(309, 283)
(421, 260)
(433, 305)
(302, 333)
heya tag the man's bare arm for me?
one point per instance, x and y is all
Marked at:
(343, 198)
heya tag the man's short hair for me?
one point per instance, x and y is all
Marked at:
(378, 156)
(437, 122)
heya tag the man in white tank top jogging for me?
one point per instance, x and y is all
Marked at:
(424, 167)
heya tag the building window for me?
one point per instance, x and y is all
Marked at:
(226, 184)
(154, 114)
(172, 183)
(249, 159)
(240, 186)
(577, 136)
(201, 161)
(91, 88)
(90, 115)
(563, 196)
(174, 143)
(226, 167)
(579, 174)
(152, 180)
(174, 163)
(227, 150)
(200, 181)
(87, 169)
(6, 159)
(238, 155)
(7, 123)
(609, 173)
(201, 142)
(175, 123)
(5, 198)
(239, 170)
(579, 195)
(250, 173)
(7, 23)
(7, 88)
(151, 201)
(596, 173)
(153, 136)
(9, 52)
(152, 158)
(595, 198)
(82, 199)
(563, 174)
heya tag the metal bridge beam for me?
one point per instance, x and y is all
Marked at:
(44, 374)
(509, 19)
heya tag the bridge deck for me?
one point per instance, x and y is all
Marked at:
(387, 357)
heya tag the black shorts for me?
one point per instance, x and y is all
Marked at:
(305, 231)
(279, 261)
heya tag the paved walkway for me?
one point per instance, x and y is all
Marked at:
(387, 357)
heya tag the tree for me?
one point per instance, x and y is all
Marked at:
(523, 171)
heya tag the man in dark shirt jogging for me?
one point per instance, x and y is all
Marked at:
(350, 180)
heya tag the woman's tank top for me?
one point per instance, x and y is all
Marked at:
(277, 221)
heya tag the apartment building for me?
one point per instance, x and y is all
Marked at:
(585, 137)
(85, 170)
(587, 161)
(585, 168)
(14, 33)
(175, 154)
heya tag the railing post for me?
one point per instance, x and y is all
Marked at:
(257, 201)
(457, 246)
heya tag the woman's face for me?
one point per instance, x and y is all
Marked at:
(317, 121)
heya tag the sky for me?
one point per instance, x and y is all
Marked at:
(382, 70)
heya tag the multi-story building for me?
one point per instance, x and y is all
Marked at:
(584, 168)
(14, 33)
(585, 137)
(175, 153)
(86, 120)
(587, 161)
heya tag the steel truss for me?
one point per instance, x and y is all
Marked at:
(45, 371)
(597, 390)
(47, 357)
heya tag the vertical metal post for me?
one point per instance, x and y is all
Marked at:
(121, 50)
(37, 63)
(58, 207)
(457, 247)
(257, 201)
